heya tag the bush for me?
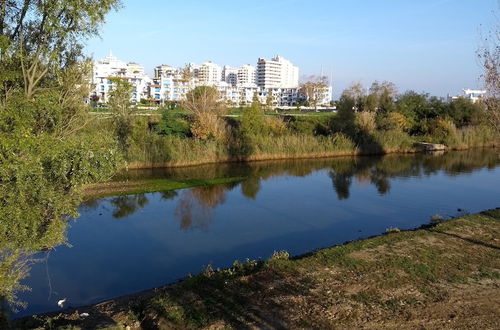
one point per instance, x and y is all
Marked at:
(275, 126)
(317, 125)
(252, 120)
(365, 121)
(392, 121)
(444, 131)
(173, 123)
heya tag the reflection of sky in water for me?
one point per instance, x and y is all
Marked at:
(160, 237)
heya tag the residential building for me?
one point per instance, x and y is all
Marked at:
(277, 73)
(246, 75)
(209, 74)
(112, 67)
(473, 95)
(277, 78)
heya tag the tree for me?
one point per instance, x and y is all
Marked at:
(121, 107)
(252, 120)
(269, 100)
(489, 55)
(314, 89)
(204, 104)
(357, 94)
(40, 36)
(44, 155)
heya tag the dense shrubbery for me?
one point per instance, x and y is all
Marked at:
(379, 122)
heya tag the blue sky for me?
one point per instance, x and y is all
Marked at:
(422, 45)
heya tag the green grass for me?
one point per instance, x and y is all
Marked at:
(149, 186)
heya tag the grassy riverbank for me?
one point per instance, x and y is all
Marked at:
(445, 275)
(121, 188)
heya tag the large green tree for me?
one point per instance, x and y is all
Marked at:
(45, 156)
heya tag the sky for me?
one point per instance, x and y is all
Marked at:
(424, 45)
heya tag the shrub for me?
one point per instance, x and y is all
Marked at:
(365, 121)
(173, 123)
(392, 121)
(444, 131)
(252, 120)
(275, 126)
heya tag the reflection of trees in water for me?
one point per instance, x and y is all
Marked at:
(341, 183)
(250, 187)
(380, 170)
(195, 206)
(127, 205)
(41, 226)
(32, 219)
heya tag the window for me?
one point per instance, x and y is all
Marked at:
(157, 89)
(157, 96)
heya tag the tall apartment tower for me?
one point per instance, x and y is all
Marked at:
(277, 73)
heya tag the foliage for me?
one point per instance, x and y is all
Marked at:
(489, 55)
(173, 123)
(45, 156)
(206, 108)
(121, 107)
(313, 89)
(365, 121)
(252, 120)
(444, 131)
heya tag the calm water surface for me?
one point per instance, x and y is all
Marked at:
(121, 245)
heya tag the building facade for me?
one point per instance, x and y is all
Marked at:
(273, 80)
(112, 67)
(277, 73)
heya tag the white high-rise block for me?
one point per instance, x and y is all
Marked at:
(277, 73)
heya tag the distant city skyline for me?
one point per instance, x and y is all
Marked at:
(427, 46)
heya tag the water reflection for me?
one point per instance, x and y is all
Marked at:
(127, 205)
(194, 207)
(25, 231)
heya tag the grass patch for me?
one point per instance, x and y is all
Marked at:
(101, 190)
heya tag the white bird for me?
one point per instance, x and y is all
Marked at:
(61, 302)
(84, 314)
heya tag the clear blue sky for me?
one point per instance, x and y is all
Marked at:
(423, 45)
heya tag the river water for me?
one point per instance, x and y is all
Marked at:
(125, 244)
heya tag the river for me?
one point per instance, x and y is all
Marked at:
(124, 244)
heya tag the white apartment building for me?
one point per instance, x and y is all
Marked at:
(277, 77)
(110, 67)
(247, 75)
(171, 84)
(209, 74)
(277, 73)
(473, 95)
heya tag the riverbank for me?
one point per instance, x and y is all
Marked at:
(205, 174)
(444, 275)
(121, 188)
